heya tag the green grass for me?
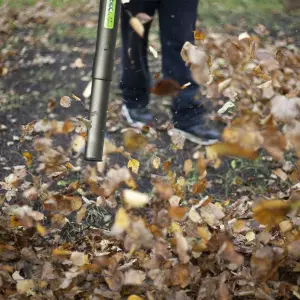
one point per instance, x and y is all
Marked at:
(220, 12)
(54, 3)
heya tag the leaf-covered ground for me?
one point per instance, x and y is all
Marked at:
(160, 218)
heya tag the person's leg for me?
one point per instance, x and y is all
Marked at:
(177, 23)
(135, 78)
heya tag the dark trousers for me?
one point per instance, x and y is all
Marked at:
(177, 20)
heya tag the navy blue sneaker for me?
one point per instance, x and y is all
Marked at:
(200, 134)
(137, 117)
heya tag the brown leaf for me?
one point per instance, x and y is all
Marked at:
(271, 212)
(180, 275)
(65, 101)
(199, 35)
(134, 277)
(177, 213)
(68, 127)
(133, 141)
(215, 151)
(166, 87)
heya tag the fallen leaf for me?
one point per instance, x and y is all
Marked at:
(78, 258)
(280, 174)
(134, 277)
(25, 286)
(133, 141)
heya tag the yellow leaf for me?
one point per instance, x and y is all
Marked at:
(28, 157)
(41, 229)
(134, 297)
(122, 221)
(199, 35)
(174, 227)
(133, 141)
(215, 151)
(24, 286)
(134, 165)
(60, 252)
(14, 221)
(156, 162)
(270, 212)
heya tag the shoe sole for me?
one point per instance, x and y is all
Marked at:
(192, 138)
(129, 120)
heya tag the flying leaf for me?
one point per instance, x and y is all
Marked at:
(177, 213)
(134, 165)
(144, 18)
(199, 35)
(271, 212)
(153, 51)
(138, 27)
(156, 162)
(65, 101)
(121, 223)
(166, 87)
(135, 198)
(28, 157)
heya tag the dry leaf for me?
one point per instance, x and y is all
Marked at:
(65, 101)
(134, 165)
(25, 286)
(166, 87)
(279, 173)
(270, 212)
(156, 162)
(199, 35)
(188, 166)
(78, 258)
(121, 223)
(135, 199)
(134, 297)
(144, 18)
(133, 141)
(177, 213)
(134, 277)
(138, 27)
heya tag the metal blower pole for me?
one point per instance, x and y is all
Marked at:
(102, 76)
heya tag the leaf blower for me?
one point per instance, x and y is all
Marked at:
(102, 76)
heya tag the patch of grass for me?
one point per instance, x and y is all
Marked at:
(220, 12)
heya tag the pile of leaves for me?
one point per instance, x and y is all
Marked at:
(175, 242)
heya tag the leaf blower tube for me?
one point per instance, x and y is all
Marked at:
(102, 77)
